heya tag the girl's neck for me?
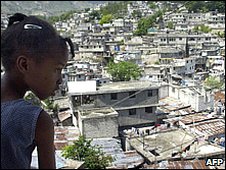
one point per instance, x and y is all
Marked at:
(11, 87)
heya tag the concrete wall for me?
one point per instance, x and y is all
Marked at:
(141, 98)
(100, 127)
(141, 117)
(163, 91)
(173, 92)
(198, 101)
(205, 101)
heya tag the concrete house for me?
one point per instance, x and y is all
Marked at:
(197, 97)
(132, 56)
(170, 53)
(135, 101)
(155, 72)
(91, 122)
(183, 67)
(133, 43)
(94, 43)
(177, 39)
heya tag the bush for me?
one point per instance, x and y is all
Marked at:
(82, 150)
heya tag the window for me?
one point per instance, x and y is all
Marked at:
(132, 111)
(149, 109)
(150, 93)
(131, 94)
(114, 96)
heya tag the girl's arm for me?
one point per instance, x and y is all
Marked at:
(44, 138)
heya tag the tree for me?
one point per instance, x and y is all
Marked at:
(195, 6)
(136, 14)
(94, 15)
(92, 156)
(157, 63)
(145, 23)
(47, 103)
(115, 8)
(62, 17)
(31, 97)
(124, 71)
(152, 5)
(204, 6)
(212, 83)
(220, 34)
(205, 29)
(170, 25)
(202, 28)
(106, 19)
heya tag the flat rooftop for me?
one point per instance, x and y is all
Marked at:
(122, 86)
(97, 112)
(160, 146)
(127, 86)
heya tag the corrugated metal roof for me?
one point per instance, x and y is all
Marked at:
(64, 115)
(219, 96)
(111, 146)
(210, 127)
(65, 135)
(61, 162)
(172, 104)
(197, 117)
(184, 164)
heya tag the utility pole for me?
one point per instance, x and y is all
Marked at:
(187, 45)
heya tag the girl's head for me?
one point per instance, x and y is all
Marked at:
(32, 49)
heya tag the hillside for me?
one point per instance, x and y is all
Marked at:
(45, 7)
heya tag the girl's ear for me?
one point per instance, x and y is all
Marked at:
(22, 64)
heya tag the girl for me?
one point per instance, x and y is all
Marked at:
(33, 55)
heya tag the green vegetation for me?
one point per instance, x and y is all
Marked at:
(113, 10)
(82, 150)
(152, 5)
(145, 23)
(220, 34)
(170, 25)
(95, 15)
(62, 17)
(47, 103)
(106, 19)
(116, 9)
(123, 71)
(212, 83)
(205, 6)
(137, 14)
(157, 63)
(31, 97)
(202, 28)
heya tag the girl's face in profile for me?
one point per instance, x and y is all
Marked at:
(45, 77)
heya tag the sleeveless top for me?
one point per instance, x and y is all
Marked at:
(18, 124)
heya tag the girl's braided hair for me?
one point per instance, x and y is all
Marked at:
(29, 35)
